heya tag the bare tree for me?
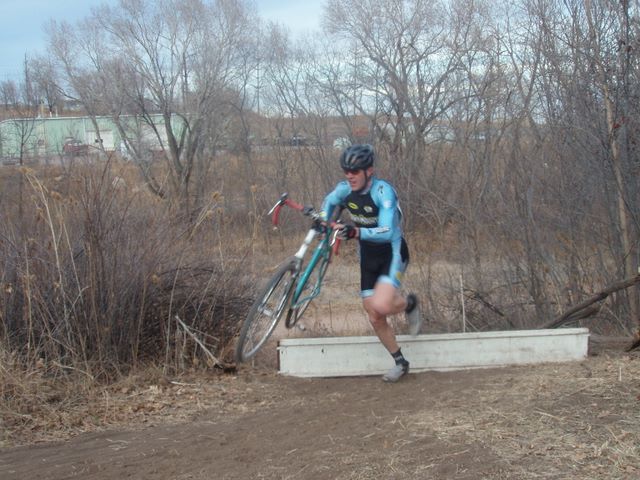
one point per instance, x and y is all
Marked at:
(45, 84)
(587, 88)
(512, 124)
(9, 96)
(175, 65)
(611, 57)
(406, 55)
(299, 109)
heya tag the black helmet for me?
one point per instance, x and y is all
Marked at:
(357, 157)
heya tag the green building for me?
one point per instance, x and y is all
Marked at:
(38, 138)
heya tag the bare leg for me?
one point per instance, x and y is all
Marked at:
(386, 300)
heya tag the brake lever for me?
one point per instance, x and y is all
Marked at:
(334, 237)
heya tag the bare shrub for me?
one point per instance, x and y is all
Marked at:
(93, 277)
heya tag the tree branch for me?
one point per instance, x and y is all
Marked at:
(587, 308)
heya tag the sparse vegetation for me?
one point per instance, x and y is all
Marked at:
(510, 130)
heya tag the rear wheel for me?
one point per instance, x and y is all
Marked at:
(266, 311)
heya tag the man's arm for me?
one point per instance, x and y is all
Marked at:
(333, 199)
(385, 198)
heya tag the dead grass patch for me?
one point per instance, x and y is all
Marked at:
(563, 421)
(54, 409)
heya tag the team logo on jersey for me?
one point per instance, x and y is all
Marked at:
(362, 220)
(368, 209)
(387, 204)
(352, 206)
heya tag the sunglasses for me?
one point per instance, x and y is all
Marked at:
(350, 171)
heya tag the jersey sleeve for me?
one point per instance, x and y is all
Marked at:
(334, 199)
(388, 223)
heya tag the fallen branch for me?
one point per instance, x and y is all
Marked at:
(475, 295)
(635, 343)
(200, 344)
(587, 308)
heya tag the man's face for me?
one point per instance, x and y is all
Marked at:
(356, 178)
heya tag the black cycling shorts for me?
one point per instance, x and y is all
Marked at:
(381, 262)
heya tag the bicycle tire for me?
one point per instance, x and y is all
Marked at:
(295, 314)
(261, 321)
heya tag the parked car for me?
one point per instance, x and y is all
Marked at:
(341, 143)
(298, 141)
(75, 148)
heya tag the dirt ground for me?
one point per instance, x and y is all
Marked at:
(557, 421)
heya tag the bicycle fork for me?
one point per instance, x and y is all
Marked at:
(311, 234)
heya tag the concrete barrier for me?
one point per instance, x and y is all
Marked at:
(353, 356)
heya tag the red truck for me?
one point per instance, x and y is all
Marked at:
(75, 148)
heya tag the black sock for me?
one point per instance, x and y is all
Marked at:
(411, 303)
(399, 358)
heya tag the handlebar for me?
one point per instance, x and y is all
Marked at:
(285, 200)
(308, 211)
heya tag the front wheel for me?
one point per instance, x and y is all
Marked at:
(266, 311)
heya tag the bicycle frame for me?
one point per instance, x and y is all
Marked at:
(291, 287)
(322, 254)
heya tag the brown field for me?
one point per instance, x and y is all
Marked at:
(556, 421)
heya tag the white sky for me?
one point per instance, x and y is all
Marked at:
(22, 23)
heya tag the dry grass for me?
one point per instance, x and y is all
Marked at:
(96, 269)
(563, 421)
(39, 408)
(556, 421)
(94, 272)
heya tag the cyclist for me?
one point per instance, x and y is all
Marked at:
(384, 256)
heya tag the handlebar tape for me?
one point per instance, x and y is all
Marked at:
(336, 247)
(276, 214)
(294, 205)
(297, 206)
(276, 210)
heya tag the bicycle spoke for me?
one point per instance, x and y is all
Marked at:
(266, 312)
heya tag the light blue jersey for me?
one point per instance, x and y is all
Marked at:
(377, 214)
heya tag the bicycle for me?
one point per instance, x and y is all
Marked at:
(290, 288)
